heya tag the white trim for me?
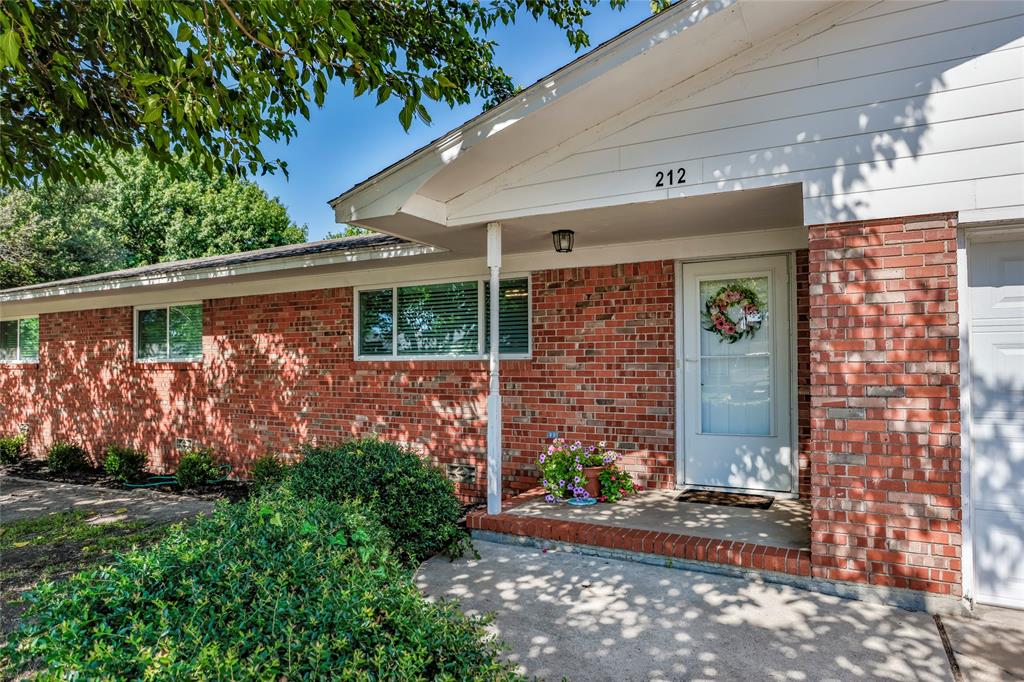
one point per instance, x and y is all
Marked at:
(479, 355)
(17, 341)
(215, 272)
(167, 359)
(677, 311)
(680, 401)
(494, 417)
(967, 498)
(721, 245)
(966, 235)
(794, 375)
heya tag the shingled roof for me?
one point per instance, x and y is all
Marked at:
(357, 243)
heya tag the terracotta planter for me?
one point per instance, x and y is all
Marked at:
(593, 485)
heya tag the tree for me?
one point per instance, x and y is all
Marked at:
(212, 79)
(141, 214)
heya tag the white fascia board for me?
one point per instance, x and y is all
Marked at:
(383, 194)
(213, 273)
(698, 247)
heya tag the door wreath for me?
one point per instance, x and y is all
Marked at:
(733, 312)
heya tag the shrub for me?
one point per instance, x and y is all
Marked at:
(268, 471)
(275, 588)
(125, 464)
(65, 458)
(197, 467)
(413, 500)
(12, 448)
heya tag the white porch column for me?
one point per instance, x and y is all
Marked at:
(494, 394)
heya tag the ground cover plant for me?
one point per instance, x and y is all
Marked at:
(278, 587)
(413, 499)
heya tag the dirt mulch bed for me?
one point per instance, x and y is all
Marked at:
(36, 469)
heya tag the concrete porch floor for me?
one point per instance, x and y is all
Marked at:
(786, 524)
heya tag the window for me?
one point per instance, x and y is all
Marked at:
(173, 333)
(19, 340)
(441, 320)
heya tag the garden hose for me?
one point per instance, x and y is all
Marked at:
(157, 481)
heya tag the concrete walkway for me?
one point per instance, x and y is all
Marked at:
(588, 618)
(22, 498)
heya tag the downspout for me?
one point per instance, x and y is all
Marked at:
(494, 394)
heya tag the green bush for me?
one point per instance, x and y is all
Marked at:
(125, 464)
(65, 458)
(12, 448)
(268, 471)
(197, 467)
(276, 588)
(413, 500)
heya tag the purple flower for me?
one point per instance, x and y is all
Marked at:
(549, 498)
(576, 480)
(579, 467)
(561, 484)
(542, 458)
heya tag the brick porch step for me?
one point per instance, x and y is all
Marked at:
(670, 545)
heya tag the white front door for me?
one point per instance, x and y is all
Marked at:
(736, 394)
(995, 277)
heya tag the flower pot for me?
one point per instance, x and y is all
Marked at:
(593, 485)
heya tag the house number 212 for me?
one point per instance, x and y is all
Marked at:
(672, 176)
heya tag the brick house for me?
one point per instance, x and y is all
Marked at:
(858, 166)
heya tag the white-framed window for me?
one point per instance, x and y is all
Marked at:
(441, 320)
(169, 333)
(19, 340)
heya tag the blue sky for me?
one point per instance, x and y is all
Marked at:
(350, 139)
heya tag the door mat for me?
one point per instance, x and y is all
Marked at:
(726, 499)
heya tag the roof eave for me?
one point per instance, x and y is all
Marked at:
(219, 272)
(528, 99)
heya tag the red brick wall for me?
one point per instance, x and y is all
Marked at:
(278, 371)
(885, 469)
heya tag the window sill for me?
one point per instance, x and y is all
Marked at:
(168, 364)
(19, 363)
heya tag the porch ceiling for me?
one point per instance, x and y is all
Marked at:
(735, 211)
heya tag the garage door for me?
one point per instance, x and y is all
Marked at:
(996, 281)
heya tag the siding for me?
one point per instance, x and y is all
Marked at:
(899, 110)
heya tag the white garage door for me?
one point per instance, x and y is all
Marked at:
(996, 281)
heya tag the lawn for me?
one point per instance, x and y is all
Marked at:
(60, 544)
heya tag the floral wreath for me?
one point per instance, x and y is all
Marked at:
(716, 317)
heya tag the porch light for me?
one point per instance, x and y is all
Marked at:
(563, 240)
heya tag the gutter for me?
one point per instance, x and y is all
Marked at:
(216, 272)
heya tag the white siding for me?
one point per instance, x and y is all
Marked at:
(899, 110)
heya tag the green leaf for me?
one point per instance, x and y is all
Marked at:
(144, 79)
(10, 44)
(153, 113)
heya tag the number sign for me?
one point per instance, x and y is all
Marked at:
(670, 177)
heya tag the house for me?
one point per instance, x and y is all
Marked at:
(853, 171)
